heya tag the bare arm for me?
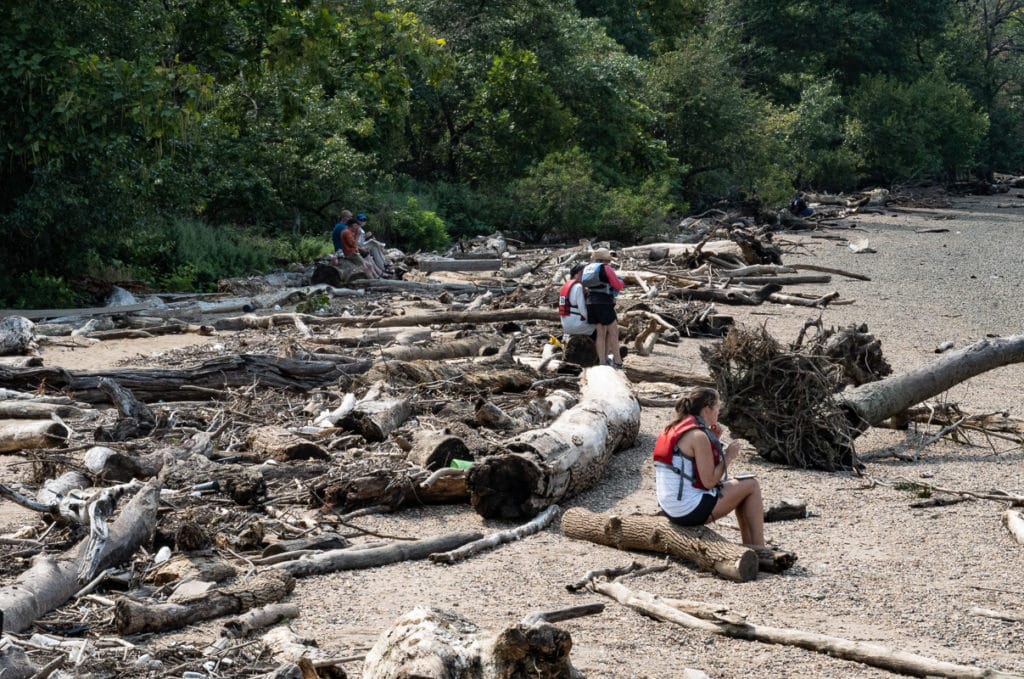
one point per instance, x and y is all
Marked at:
(696, 444)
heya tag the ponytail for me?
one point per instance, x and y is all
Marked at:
(692, 402)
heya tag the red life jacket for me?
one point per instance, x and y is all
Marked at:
(665, 446)
(565, 307)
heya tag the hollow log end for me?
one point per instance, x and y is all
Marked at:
(501, 486)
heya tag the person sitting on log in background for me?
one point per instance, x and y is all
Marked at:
(691, 470)
(339, 228)
(799, 207)
(350, 246)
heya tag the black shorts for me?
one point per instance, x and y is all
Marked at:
(700, 515)
(601, 314)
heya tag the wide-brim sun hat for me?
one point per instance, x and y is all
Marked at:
(601, 255)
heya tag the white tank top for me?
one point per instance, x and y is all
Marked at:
(668, 481)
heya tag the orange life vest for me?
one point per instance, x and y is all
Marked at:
(668, 440)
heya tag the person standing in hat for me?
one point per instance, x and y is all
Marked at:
(603, 285)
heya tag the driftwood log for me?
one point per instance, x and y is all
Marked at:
(169, 384)
(376, 419)
(52, 580)
(700, 546)
(347, 559)
(542, 467)
(270, 586)
(433, 644)
(537, 524)
(277, 443)
(874, 655)
(33, 410)
(30, 434)
(258, 618)
(17, 335)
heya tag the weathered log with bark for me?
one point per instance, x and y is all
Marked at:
(700, 546)
(52, 580)
(29, 434)
(471, 346)
(277, 443)
(375, 420)
(542, 467)
(436, 450)
(434, 644)
(173, 384)
(270, 586)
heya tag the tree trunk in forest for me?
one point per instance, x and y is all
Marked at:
(269, 586)
(700, 546)
(52, 580)
(29, 434)
(545, 466)
(433, 644)
(174, 384)
(874, 402)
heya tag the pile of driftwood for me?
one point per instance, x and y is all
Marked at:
(171, 495)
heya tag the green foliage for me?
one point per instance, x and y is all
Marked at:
(926, 128)
(728, 140)
(412, 227)
(36, 291)
(635, 215)
(314, 303)
(819, 151)
(558, 195)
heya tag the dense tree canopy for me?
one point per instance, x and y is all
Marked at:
(177, 141)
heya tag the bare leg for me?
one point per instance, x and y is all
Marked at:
(613, 341)
(599, 344)
(743, 496)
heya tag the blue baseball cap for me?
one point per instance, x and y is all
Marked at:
(361, 217)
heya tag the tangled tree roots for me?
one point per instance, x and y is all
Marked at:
(782, 401)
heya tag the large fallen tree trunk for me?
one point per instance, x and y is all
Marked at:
(874, 402)
(545, 466)
(874, 655)
(51, 581)
(433, 644)
(33, 410)
(700, 546)
(175, 384)
(791, 406)
(270, 586)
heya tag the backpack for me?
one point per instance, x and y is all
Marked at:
(592, 279)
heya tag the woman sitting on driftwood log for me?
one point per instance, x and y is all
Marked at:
(691, 468)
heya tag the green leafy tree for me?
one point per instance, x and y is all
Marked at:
(930, 127)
